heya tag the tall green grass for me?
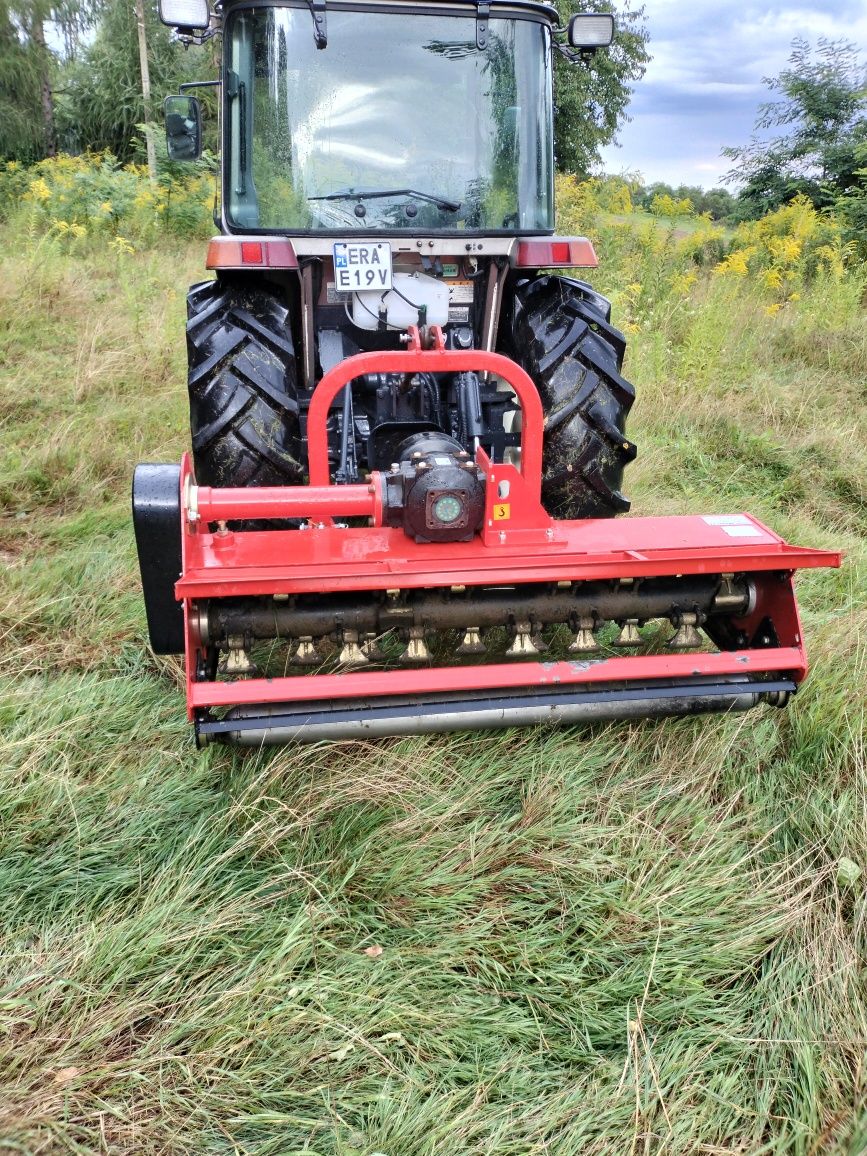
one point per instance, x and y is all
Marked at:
(641, 938)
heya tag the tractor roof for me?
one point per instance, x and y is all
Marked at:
(412, 7)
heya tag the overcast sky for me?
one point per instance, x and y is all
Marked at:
(704, 84)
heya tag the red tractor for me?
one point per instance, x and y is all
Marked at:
(408, 432)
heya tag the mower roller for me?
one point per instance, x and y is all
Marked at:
(408, 526)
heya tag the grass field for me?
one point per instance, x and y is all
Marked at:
(633, 939)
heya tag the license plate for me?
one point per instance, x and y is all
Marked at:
(362, 265)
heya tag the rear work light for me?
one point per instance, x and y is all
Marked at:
(591, 30)
(556, 253)
(194, 14)
(263, 253)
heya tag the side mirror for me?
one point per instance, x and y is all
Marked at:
(183, 116)
(591, 30)
(185, 15)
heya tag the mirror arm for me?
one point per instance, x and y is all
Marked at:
(189, 36)
(575, 55)
(199, 84)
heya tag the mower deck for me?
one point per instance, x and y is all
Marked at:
(325, 559)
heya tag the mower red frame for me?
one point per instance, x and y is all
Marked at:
(519, 543)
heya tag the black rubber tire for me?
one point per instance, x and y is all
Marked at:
(244, 416)
(562, 337)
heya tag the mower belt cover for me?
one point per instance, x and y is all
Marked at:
(333, 630)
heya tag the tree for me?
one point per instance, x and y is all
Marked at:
(824, 107)
(718, 202)
(21, 127)
(28, 66)
(590, 98)
(104, 103)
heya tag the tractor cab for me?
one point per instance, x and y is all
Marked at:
(360, 118)
(402, 122)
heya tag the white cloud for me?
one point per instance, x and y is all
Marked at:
(704, 84)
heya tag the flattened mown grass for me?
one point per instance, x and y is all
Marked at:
(634, 938)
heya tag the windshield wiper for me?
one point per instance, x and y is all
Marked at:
(376, 194)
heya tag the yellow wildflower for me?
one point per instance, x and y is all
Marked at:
(121, 245)
(772, 278)
(736, 262)
(39, 190)
(683, 282)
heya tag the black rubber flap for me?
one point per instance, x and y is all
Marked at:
(156, 515)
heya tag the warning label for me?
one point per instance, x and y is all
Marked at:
(502, 512)
(460, 292)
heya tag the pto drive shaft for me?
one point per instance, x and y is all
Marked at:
(377, 611)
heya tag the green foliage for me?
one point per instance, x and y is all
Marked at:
(662, 205)
(22, 130)
(719, 204)
(824, 108)
(78, 199)
(590, 98)
(28, 68)
(102, 103)
(654, 262)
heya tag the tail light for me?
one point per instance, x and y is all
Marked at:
(556, 253)
(261, 253)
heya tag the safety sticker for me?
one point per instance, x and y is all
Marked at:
(460, 292)
(742, 531)
(726, 520)
(502, 512)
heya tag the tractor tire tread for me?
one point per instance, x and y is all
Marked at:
(562, 336)
(244, 411)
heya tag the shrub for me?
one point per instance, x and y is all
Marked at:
(94, 195)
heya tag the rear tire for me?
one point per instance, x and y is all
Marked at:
(244, 416)
(562, 337)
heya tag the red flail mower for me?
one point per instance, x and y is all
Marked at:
(406, 525)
